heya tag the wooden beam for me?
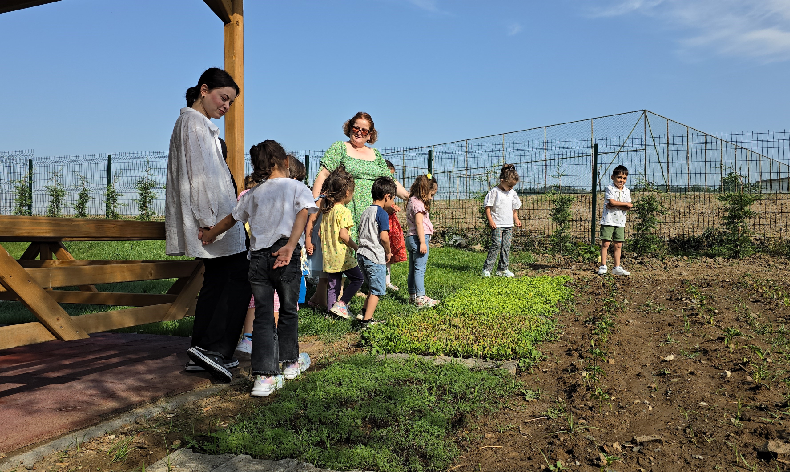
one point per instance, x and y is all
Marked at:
(107, 320)
(31, 252)
(15, 278)
(234, 65)
(42, 228)
(221, 8)
(53, 274)
(102, 298)
(59, 250)
(12, 5)
(24, 334)
(186, 298)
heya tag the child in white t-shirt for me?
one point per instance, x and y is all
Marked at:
(617, 201)
(502, 204)
(277, 211)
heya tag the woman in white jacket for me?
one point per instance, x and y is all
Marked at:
(200, 191)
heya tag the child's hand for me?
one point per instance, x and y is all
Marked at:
(388, 256)
(283, 256)
(492, 224)
(309, 248)
(518, 222)
(203, 235)
(423, 248)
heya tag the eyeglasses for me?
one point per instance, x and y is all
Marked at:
(362, 131)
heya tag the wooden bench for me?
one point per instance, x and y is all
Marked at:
(36, 283)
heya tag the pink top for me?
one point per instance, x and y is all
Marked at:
(415, 206)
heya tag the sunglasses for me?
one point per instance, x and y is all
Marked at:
(362, 131)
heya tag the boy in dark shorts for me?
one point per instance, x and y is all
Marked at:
(617, 201)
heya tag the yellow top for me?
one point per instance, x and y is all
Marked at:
(337, 256)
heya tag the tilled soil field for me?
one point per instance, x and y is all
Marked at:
(683, 365)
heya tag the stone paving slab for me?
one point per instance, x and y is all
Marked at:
(184, 460)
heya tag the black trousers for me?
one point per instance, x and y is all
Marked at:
(222, 304)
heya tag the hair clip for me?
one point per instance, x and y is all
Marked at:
(429, 176)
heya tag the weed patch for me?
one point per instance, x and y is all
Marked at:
(368, 414)
(493, 318)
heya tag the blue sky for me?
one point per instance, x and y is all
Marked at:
(98, 76)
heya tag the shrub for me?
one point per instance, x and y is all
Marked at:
(57, 195)
(645, 239)
(111, 196)
(494, 318)
(561, 215)
(145, 186)
(737, 233)
(83, 198)
(23, 197)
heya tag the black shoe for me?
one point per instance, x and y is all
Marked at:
(212, 362)
(228, 363)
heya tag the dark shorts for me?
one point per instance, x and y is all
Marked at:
(612, 233)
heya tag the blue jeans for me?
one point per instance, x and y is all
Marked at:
(375, 275)
(274, 344)
(417, 264)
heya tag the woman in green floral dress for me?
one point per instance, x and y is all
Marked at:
(363, 162)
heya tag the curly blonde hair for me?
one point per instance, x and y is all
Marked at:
(422, 188)
(361, 115)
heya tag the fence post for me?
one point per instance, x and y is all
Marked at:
(593, 194)
(306, 169)
(107, 209)
(430, 161)
(30, 186)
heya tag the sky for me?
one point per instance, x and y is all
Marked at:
(98, 76)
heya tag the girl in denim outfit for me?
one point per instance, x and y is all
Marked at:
(277, 211)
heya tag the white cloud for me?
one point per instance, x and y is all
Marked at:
(757, 29)
(513, 29)
(427, 5)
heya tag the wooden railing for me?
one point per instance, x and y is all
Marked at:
(36, 283)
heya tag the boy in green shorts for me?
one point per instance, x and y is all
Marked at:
(617, 201)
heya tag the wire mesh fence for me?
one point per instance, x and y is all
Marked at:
(689, 168)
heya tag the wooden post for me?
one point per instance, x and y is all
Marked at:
(234, 119)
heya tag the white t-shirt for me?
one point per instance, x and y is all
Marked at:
(271, 207)
(502, 205)
(615, 216)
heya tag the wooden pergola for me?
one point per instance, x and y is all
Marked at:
(37, 279)
(231, 12)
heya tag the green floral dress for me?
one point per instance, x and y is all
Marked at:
(364, 172)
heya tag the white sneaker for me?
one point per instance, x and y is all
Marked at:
(486, 273)
(505, 273)
(292, 371)
(244, 346)
(602, 270)
(620, 271)
(266, 385)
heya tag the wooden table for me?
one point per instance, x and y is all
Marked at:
(36, 283)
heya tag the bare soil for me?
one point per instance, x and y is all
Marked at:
(689, 373)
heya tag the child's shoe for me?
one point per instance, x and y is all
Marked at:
(371, 322)
(265, 385)
(340, 310)
(486, 273)
(425, 302)
(392, 287)
(293, 370)
(505, 273)
(244, 346)
(602, 270)
(620, 271)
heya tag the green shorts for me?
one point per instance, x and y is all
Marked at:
(612, 233)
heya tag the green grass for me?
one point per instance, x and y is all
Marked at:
(368, 414)
(494, 318)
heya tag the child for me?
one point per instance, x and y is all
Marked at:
(420, 230)
(277, 211)
(336, 242)
(374, 244)
(502, 204)
(296, 171)
(397, 242)
(617, 201)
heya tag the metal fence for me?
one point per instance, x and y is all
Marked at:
(686, 164)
